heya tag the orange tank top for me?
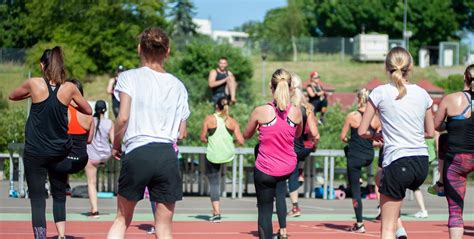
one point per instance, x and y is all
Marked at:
(74, 127)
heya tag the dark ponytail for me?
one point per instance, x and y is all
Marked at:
(78, 84)
(53, 65)
(100, 108)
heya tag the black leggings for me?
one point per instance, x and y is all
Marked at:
(57, 168)
(213, 173)
(267, 188)
(354, 167)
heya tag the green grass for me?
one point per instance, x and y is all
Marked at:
(346, 76)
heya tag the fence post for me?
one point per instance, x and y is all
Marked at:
(234, 176)
(241, 174)
(325, 189)
(311, 48)
(343, 48)
(331, 178)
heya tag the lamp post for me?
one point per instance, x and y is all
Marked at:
(264, 58)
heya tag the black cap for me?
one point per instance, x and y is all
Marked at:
(100, 106)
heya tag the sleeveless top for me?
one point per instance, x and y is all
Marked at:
(431, 149)
(99, 148)
(220, 146)
(276, 154)
(359, 147)
(46, 127)
(461, 131)
(299, 142)
(221, 88)
(316, 90)
(78, 135)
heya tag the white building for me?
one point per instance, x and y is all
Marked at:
(204, 26)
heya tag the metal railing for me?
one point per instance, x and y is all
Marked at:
(193, 171)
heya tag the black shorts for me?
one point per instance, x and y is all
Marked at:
(407, 172)
(154, 166)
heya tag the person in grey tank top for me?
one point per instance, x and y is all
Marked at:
(99, 151)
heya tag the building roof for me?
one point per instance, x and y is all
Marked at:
(345, 99)
(326, 86)
(428, 86)
(372, 84)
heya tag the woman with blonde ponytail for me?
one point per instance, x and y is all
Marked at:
(217, 130)
(359, 153)
(278, 124)
(456, 108)
(406, 117)
(309, 130)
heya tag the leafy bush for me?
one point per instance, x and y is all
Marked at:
(77, 62)
(12, 127)
(451, 84)
(193, 63)
(330, 131)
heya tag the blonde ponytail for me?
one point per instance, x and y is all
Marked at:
(281, 81)
(362, 96)
(296, 94)
(222, 106)
(399, 63)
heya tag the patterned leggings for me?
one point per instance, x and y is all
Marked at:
(456, 170)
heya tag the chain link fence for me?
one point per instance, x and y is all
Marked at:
(303, 49)
(12, 55)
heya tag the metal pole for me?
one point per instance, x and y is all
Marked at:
(405, 24)
(311, 48)
(234, 177)
(325, 189)
(331, 178)
(241, 174)
(342, 48)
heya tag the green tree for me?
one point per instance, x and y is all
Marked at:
(105, 32)
(181, 25)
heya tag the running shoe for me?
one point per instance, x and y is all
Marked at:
(401, 233)
(295, 212)
(151, 230)
(437, 189)
(216, 218)
(280, 236)
(359, 228)
(421, 214)
(93, 214)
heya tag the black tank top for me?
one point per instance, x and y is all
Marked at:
(461, 133)
(221, 88)
(46, 127)
(360, 147)
(79, 145)
(299, 142)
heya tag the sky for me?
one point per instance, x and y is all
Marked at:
(227, 14)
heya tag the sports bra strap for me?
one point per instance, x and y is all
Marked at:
(469, 104)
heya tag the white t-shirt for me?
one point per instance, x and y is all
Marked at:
(159, 102)
(403, 121)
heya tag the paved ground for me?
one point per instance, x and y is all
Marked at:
(316, 213)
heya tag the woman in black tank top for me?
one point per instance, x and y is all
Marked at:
(359, 153)
(47, 142)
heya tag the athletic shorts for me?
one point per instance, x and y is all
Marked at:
(403, 173)
(154, 166)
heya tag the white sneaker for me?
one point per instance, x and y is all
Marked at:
(401, 233)
(421, 214)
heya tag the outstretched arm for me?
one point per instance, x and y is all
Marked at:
(212, 79)
(21, 92)
(251, 125)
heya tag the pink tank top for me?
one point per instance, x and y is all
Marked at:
(276, 155)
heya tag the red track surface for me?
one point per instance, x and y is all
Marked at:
(230, 230)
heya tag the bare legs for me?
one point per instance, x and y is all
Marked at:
(91, 173)
(123, 219)
(390, 215)
(231, 89)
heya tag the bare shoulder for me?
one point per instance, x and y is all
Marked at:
(453, 96)
(213, 71)
(263, 109)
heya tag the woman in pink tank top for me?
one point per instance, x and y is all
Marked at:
(278, 124)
